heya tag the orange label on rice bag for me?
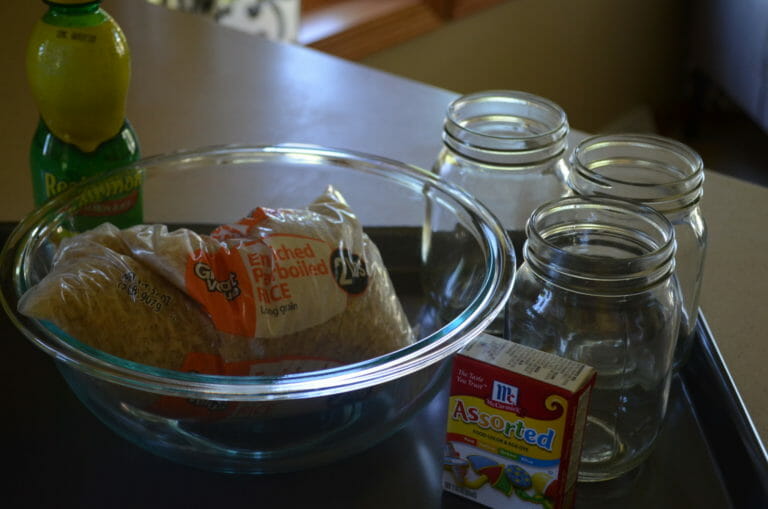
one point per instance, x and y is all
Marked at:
(273, 286)
(219, 282)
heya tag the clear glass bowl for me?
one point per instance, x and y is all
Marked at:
(289, 422)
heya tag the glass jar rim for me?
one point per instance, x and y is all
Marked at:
(506, 128)
(683, 176)
(514, 99)
(590, 273)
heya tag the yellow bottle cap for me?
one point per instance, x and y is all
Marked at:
(80, 80)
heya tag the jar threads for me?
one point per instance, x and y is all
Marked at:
(507, 128)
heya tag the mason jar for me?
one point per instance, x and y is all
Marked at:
(508, 150)
(596, 286)
(665, 175)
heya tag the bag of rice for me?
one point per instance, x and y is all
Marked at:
(280, 291)
(295, 290)
(100, 296)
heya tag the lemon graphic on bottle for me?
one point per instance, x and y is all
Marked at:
(79, 69)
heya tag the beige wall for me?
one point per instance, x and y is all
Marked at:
(597, 58)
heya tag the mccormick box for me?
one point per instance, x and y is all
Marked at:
(516, 420)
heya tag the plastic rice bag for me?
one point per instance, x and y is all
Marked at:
(100, 296)
(280, 291)
(295, 290)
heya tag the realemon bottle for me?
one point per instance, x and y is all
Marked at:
(79, 65)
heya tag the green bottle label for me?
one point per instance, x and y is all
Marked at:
(57, 166)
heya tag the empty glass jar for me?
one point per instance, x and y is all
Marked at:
(663, 174)
(507, 149)
(596, 287)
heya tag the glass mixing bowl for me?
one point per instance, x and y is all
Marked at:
(288, 422)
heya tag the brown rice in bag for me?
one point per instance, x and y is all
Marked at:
(293, 290)
(279, 291)
(101, 296)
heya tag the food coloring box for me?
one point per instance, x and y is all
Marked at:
(516, 420)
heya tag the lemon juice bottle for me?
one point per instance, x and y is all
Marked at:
(79, 66)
